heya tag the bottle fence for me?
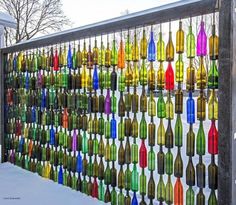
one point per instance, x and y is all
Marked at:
(128, 117)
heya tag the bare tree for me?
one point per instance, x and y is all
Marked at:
(33, 17)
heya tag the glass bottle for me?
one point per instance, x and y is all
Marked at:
(151, 48)
(170, 49)
(190, 43)
(179, 69)
(213, 76)
(202, 41)
(161, 48)
(143, 46)
(214, 44)
(180, 39)
(201, 75)
(213, 106)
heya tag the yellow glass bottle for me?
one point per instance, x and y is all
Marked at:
(128, 75)
(169, 108)
(161, 133)
(214, 44)
(179, 69)
(170, 48)
(101, 57)
(135, 49)
(151, 77)
(143, 46)
(135, 74)
(128, 49)
(180, 39)
(161, 48)
(213, 106)
(108, 56)
(201, 75)
(84, 77)
(151, 105)
(190, 80)
(84, 55)
(160, 77)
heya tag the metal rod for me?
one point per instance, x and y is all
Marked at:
(161, 14)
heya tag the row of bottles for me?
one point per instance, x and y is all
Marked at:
(66, 120)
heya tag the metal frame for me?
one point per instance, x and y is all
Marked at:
(227, 70)
(174, 11)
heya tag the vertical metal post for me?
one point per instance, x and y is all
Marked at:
(227, 104)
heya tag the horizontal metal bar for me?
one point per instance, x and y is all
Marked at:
(161, 14)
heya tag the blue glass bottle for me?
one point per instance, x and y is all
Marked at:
(27, 81)
(33, 115)
(21, 144)
(79, 164)
(69, 58)
(52, 135)
(43, 99)
(190, 109)
(151, 48)
(113, 128)
(134, 199)
(15, 63)
(95, 78)
(60, 176)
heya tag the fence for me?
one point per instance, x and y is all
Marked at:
(225, 182)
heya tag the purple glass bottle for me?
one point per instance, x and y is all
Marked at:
(74, 141)
(202, 41)
(108, 103)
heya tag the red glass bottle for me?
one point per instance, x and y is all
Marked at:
(169, 77)
(95, 188)
(143, 155)
(55, 61)
(213, 139)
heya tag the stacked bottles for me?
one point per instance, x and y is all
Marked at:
(151, 113)
(128, 84)
(161, 114)
(134, 125)
(178, 164)
(143, 123)
(95, 124)
(77, 139)
(84, 85)
(61, 120)
(114, 62)
(169, 85)
(213, 115)
(190, 145)
(201, 112)
(121, 126)
(107, 111)
(101, 150)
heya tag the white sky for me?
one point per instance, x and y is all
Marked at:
(82, 12)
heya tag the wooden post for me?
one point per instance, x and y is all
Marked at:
(227, 104)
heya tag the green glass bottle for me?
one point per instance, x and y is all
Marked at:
(169, 191)
(178, 132)
(201, 146)
(161, 190)
(191, 46)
